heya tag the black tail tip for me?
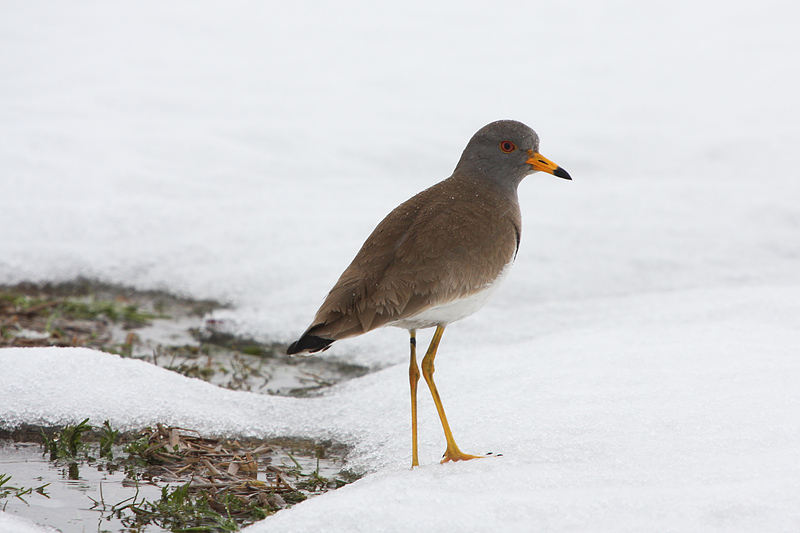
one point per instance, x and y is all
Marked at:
(309, 344)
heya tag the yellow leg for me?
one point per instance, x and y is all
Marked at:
(413, 378)
(452, 453)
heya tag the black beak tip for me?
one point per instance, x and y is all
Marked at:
(561, 173)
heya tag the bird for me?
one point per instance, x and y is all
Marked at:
(436, 258)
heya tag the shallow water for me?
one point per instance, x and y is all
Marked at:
(69, 504)
(80, 496)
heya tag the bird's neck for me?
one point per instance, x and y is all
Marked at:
(487, 182)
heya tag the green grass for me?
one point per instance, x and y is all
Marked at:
(80, 309)
(220, 507)
(128, 314)
(180, 510)
(7, 490)
(108, 438)
(67, 443)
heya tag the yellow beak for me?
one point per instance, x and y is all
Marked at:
(540, 162)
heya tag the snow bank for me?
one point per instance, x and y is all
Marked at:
(678, 410)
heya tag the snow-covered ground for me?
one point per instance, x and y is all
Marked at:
(638, 370)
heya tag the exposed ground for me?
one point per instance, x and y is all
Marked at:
(210, 484)
(170, 331)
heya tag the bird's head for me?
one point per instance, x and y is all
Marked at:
(506, 151)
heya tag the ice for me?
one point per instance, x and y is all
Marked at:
(638, 369)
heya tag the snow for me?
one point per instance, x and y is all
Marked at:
(14, 524)
(638, 369)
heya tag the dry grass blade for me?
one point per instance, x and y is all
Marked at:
(221, 467)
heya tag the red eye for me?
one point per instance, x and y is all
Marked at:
(507, 146)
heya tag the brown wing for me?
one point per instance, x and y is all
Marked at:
(446, 242)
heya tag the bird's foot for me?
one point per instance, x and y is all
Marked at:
(458, 455)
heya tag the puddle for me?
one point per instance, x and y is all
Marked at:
(92, 493)
(67, 504)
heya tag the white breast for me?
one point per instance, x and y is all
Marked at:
(456, 310)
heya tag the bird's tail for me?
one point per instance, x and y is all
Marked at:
(309, 344)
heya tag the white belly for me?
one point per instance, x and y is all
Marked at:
(444, 314)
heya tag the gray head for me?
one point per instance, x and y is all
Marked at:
(505, 151)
